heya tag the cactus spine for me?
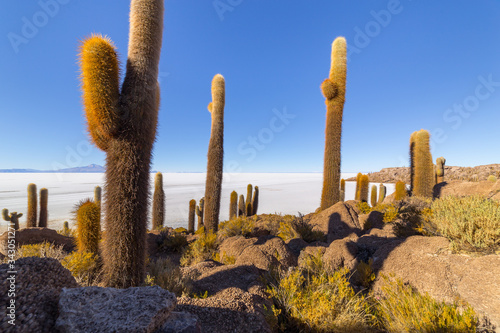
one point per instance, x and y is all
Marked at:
(364, 184)
(233, 205)
(333, 89)
(32, 206)
(88, 227)
(13, 218)
(255, 200)
(241, 206)
(423, 168)
(440, 161)
(44, 198)
(215, 155)
(373, 196)
(358, 180)
(200, 209)
(342, 189)
(159, 202)
(401, 192)
(382, 193)
(192, 208)
(123, 124)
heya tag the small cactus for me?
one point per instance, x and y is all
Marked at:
(382, 193)
(440, 161)
(241, 206)
(192, 208)
(233, 205)
(358, 179)
(32, 206)
(364, 184)
(66, 225)
(373, 196)
(401, 191)
(13, 218)
(88, 227)
(159, 202)
(200, 210)
(342, 189)
(44, 198)
(255, 200)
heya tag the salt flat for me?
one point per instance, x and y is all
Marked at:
(286, 193)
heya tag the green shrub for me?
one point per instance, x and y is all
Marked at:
(237, 226)
(164, 273)
(295, 227)
(319, 302)
(84, 266)
(364, 207)
(402, 309)
(471, 223)
(202, 249)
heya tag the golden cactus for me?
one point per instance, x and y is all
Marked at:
(423, 168)
(334, 91)
(364, 184)
(122, 122)
(373, 196)
(401, 191)
(382, 193)
(358, 179)
(159, 202)
(215, 155)
(233, 205)
(88, 228)
(440, 161)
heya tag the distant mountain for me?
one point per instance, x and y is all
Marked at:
(92, 168)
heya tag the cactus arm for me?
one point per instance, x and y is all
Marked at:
(5, 214)
(99, 78)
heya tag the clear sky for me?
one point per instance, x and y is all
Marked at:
(412, 65)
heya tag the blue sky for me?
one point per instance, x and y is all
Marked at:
(412, 65)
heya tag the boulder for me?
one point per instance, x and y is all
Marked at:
(38, 283)
(428, 265)
(296, 245)
(371, 220)
(96, 309)
(181, 322)
(230, 311)
(341, 253)
(337, 221)
(28, 236)
(263, 252)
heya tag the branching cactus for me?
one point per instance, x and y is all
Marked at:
(44, 213)
(233, 205)
(423, 169)
(333, 89)
(13, 218)
(215, 155)
(241, 205)
(32, 206)
(364, 186)
(401, 191)
(382, 193)
(440, 161)
(200, 210)
(192, 209)
(88, 227)
(373, 196)
(255, 200)
(122, 122)
(159, 202)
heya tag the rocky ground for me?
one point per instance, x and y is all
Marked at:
(452, 173)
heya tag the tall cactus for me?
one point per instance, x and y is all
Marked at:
(32, 206)
(333, 89)
(98, 199)
(233, 205)
(249, 209)
(373, 196)
(215, 155)
(44, 214)
(192, 208)
(255, 200)
(358, 180)
(423, 168)
(248, 199)
(241, 205)
(440, 161)
(88, 227)
(123, 124)
(159, 202)
(401, 191)
(13, 218)
(382, 193)
(364, 186)
(200, 210)
(342, 189)
(412, 160)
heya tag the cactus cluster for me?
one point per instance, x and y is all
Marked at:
(159, 202)
(244, 207)
(422, 168)
(122, 123)
(13, 218)
(88, 226)
(333, 90)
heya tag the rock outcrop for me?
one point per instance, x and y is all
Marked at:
(337, 222)
(29, 236)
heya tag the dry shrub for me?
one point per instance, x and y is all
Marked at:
(296, 227)
(164, 273)
(42, 250)
(241, 225)
(202, 249)
(84, 266)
